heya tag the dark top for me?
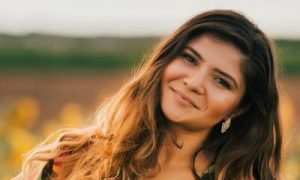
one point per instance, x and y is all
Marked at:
(48, 171)
(209, 174)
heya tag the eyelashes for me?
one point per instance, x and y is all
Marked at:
(223, 83)
(190, 59)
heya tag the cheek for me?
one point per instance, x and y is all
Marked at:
(174, 70)
(221, 105)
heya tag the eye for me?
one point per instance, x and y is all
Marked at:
(223, 83)
(189, 58)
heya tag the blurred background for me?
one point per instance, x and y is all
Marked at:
(60, 58)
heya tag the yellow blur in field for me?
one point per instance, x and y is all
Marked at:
(71, 115)
(20, 130)
(290, 150)
(16, 137)
(26, 112)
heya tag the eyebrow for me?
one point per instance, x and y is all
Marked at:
(215, 69)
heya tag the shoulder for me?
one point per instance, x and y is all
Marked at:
(38, 170)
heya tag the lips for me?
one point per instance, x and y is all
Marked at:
(189, 100)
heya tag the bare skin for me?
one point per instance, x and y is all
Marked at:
(174, 161)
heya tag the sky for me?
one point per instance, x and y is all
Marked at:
(278, 18)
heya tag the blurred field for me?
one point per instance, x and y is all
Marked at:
(53, 53)
(51, 82)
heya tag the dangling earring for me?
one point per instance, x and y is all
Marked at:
(226, 125)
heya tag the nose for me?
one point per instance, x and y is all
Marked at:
(195, 82)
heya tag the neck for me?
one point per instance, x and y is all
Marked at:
(190, 142)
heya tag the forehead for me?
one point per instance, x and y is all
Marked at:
(219, 54)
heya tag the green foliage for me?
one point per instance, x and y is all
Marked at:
(41, 59)
(52, 53)
(289, 55)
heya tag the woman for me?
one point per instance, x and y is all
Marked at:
(203, 106)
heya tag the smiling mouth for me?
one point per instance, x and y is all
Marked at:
(184, 98)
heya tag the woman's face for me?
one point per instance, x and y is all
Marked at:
(202, 85)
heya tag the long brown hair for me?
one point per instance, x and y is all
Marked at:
(126, 137)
